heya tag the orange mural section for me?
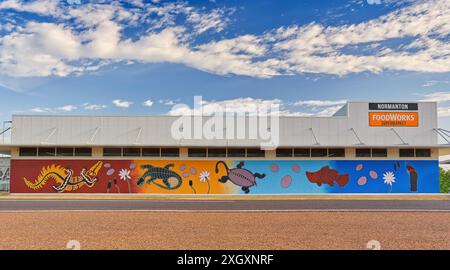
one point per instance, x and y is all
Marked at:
(393, 119)
(180, 177)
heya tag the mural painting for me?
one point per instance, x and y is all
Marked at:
(224, 176)
(239, 176)
(164, 174)
(4, 174)
(327, 176)
(64, 178)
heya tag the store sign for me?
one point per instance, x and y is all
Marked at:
(393, 107)
(393, 119)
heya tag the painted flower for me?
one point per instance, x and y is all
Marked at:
(389, 178)
(124, 174)
(204, 176)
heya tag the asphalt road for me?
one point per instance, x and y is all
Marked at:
(225, 205)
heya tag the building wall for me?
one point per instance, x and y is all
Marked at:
(423, 134)
(181, 176)
(349, 129)
(156, 130)
(97, 153)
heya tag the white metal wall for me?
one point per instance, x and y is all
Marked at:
(156, 130)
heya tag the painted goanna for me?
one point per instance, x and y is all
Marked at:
(164, 173)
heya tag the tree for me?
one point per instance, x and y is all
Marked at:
(444, 180)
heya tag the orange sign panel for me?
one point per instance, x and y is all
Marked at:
(393, 119)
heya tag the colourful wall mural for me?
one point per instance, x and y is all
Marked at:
(4, 174)
(224, 177)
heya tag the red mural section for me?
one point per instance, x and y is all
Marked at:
(83, 176)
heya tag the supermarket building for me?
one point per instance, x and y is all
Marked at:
(365, 147)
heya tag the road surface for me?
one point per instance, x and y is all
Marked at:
(29, 223)
(224, 205)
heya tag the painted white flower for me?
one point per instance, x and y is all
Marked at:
(124, 174)
(204, 176)
(389, 178)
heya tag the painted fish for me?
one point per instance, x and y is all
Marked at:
(328, 176)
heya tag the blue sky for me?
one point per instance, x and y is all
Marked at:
(142, 57)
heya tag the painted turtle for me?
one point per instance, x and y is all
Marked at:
(239, 176)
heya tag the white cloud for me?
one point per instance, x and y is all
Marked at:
(74, 2)
(435, 82)
(250, 106)
(387, 2)
(59, 48)
(235, 56)
(39, 50)
(203, 22)
(318, 107)
(44, 7)
(168, 102)
(137, 3)
(239, 105)
(8, 27)
(41, 110)
(122, 103)
(9, 87)
(437, 96)
(67, 108)
(318, 49)
(148, 103)
(443, 99)
(444, 111)
(93, 107)
(85, 37)
(319, 103)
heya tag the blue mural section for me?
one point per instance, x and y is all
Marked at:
(344, 176)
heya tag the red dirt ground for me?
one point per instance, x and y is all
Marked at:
(251, 230)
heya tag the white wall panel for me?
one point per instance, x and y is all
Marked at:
(156, 130)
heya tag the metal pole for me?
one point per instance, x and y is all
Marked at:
(138, 136)
(357, 137)
(93, 136)
(5, 130)
(398, 135)
(446, 132)
(440, 133)
(314, 136)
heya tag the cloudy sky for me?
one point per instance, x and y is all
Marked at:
(143, 57)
